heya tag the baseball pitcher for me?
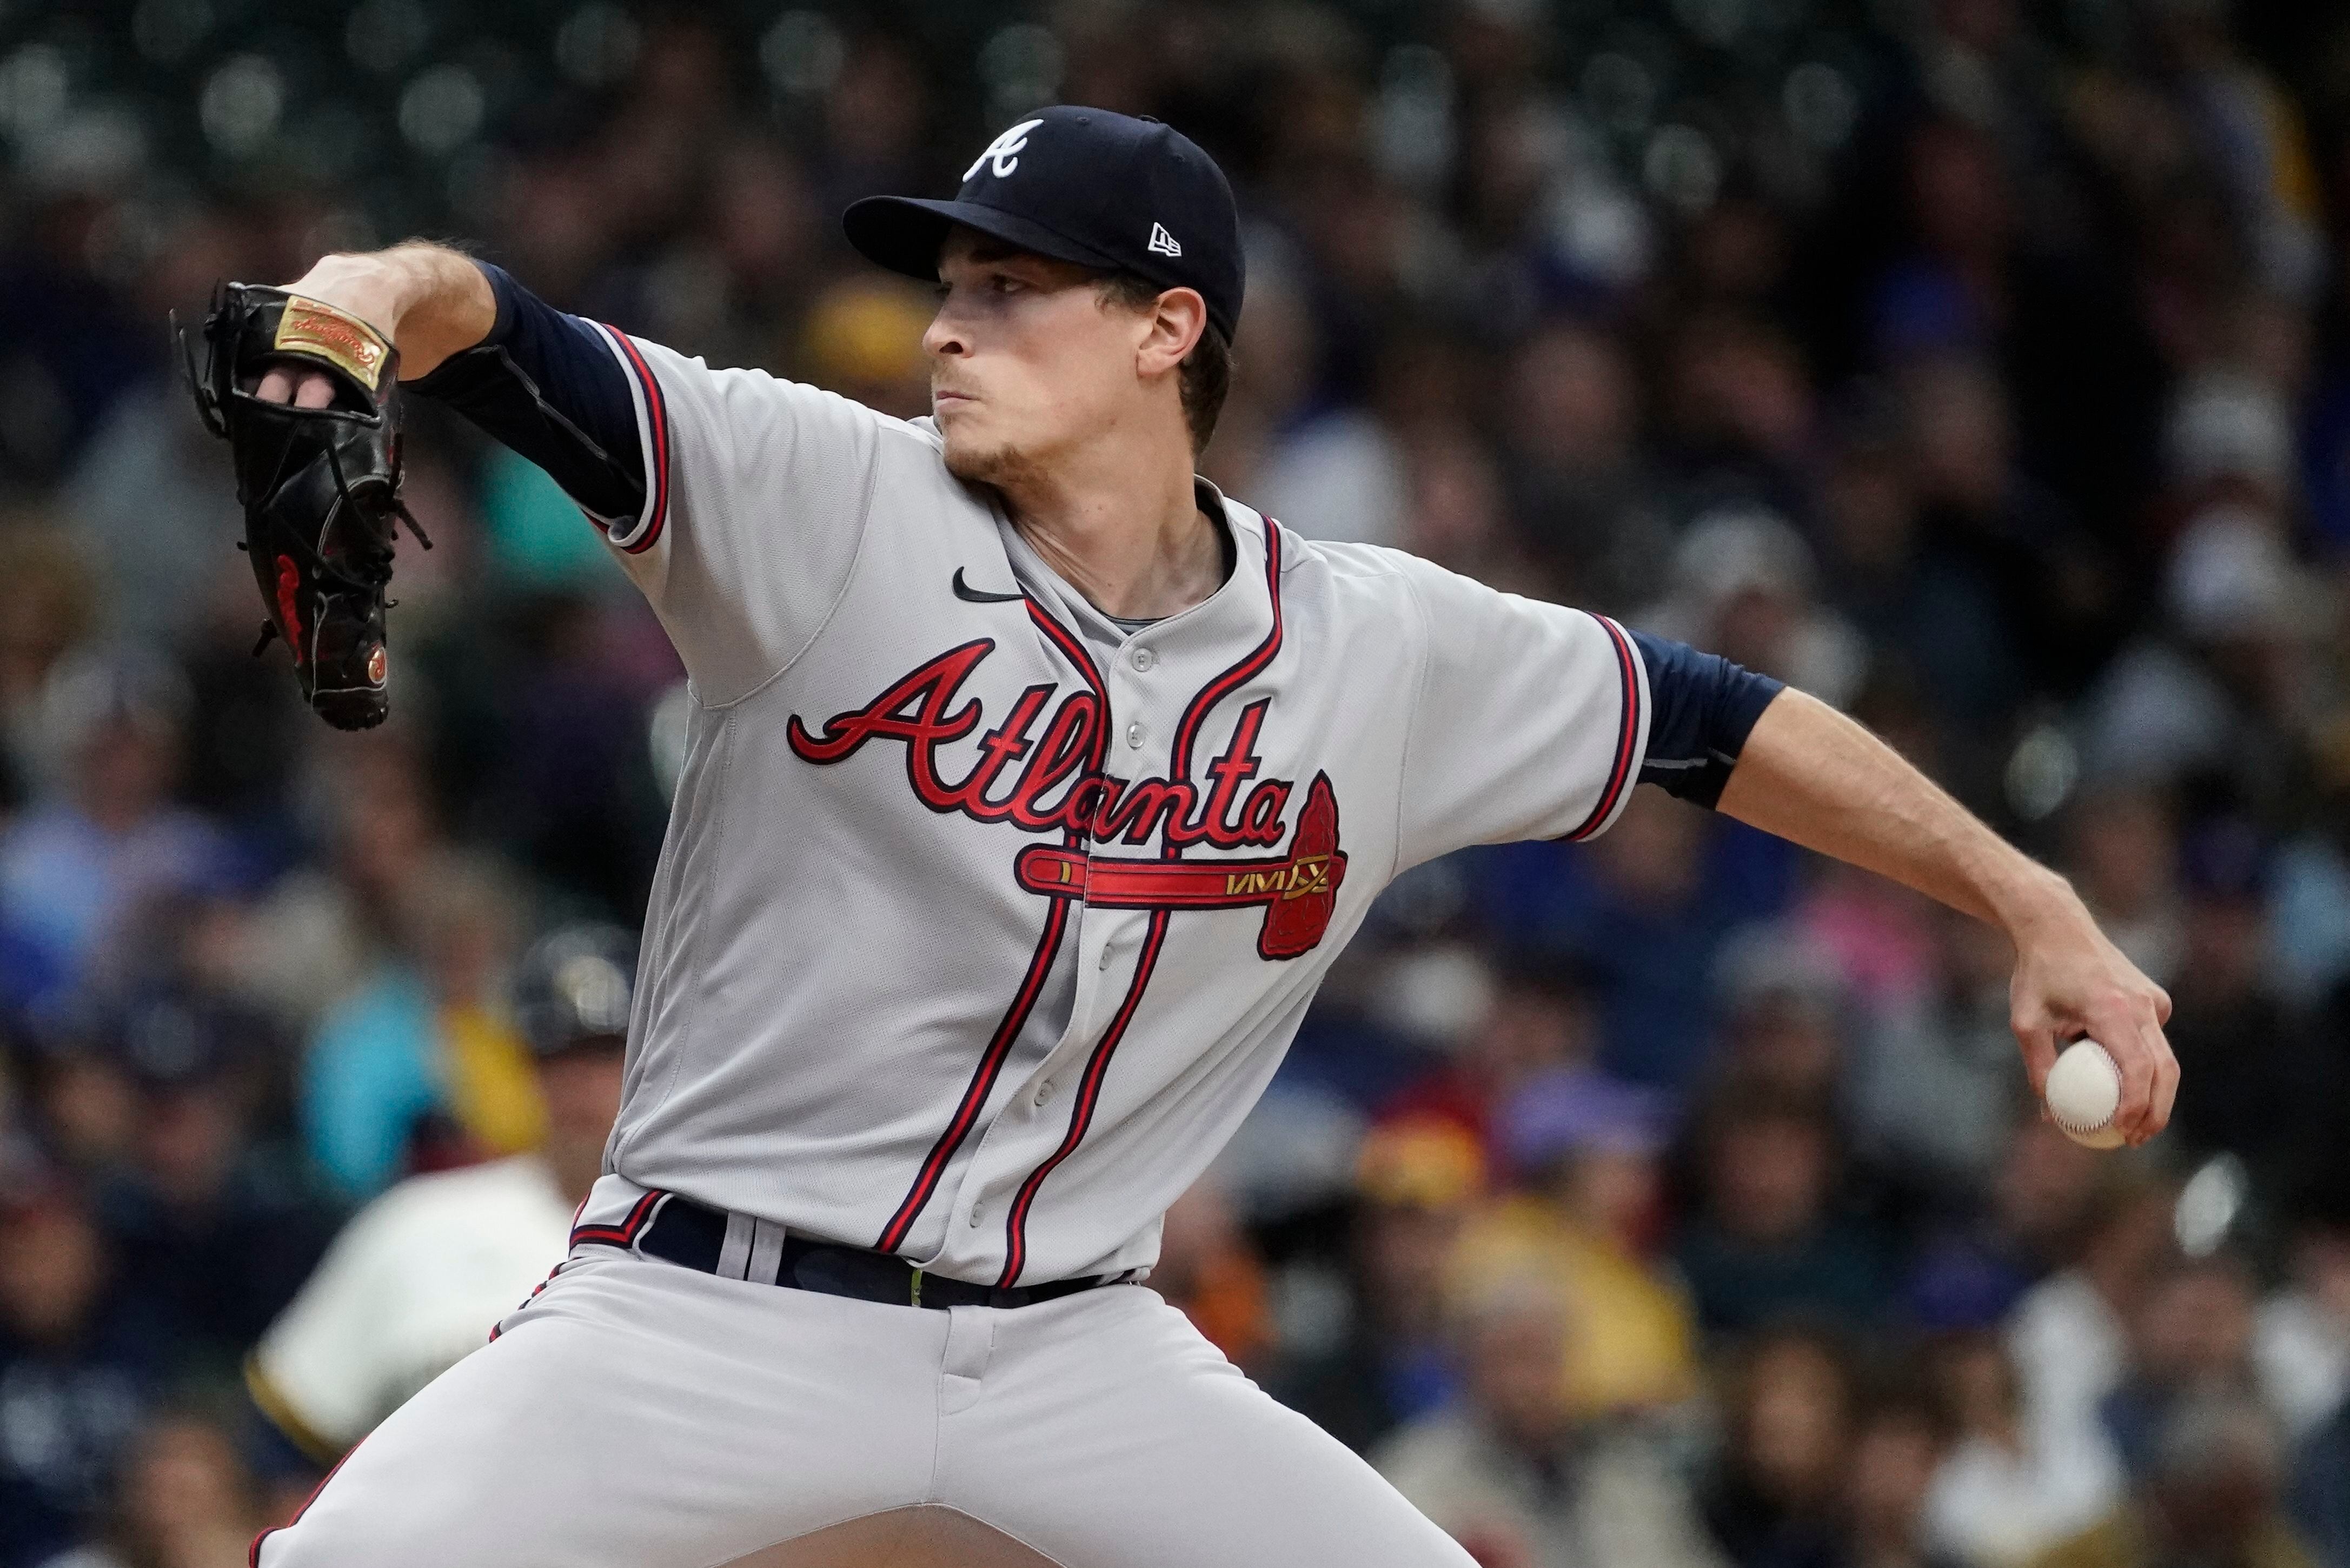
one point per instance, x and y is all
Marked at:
(1031, 786)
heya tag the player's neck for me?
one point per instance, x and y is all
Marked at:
(1129, 536)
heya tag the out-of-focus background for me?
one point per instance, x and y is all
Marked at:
(1979, 366)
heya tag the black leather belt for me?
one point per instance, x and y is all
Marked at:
(695, 1235)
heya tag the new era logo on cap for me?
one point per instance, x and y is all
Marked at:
(1162, 241)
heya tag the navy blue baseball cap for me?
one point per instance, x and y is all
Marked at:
(1083, 186)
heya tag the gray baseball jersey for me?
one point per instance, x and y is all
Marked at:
(982, 920)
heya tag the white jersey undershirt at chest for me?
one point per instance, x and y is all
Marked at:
(982, 921)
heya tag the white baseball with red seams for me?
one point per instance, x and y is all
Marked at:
(2084, 1092)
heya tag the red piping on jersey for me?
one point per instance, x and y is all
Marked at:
(1015, 1251)
(1067, 641)
(1179, 756)
(496, 1327)
(657, 417)
(1627, 732)
(983, 1079)
(624, 1234)
(253, 1552)
(1081, 1115)
(1032, 985)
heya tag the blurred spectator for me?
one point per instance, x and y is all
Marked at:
(1321, 465)
(864, 339)
(421, 1069)
(75, 869)
(1539, 1023)
(223, 1230)
(1744, 584)
(182, 1499)
(1971, 1271)
(420, 1277)
(1415, 1183)
(2191, 1337)
(2300, 1338)
(2068, 1335)
(2267, 1091)
(2320, 1503)
(1995, 1500)
(1766, 1243)
(1456, 514)
(1929, 615)
(1587, 1225)
(1571, 468)
(1775, 1493)
(49, 611)
(1207, 1269)
(82, 1357)
(1645, 911)
(1936, 1083)
(2227, 698)
(1781, 1001)
(1517, 1476)
(153, 501)
(2211, 1496)
(1899, 1442)
(2122, 854)
(333, 920)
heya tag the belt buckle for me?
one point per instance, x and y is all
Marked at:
(916, 1297)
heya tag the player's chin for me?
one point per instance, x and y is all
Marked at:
(977, 456)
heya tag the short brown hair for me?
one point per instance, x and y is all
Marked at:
(1207, 369)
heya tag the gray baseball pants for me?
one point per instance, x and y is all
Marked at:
(637, 1414)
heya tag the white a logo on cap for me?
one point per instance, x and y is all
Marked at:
(1004, 149)
(1162, 241)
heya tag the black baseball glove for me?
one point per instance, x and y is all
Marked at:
(320, 487)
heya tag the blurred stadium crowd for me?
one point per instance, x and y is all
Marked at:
(1671, 1202)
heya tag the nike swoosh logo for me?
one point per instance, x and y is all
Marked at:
(970, 595)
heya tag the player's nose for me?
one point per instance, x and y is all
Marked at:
(942, 338)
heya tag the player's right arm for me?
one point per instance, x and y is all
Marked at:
(736, 501)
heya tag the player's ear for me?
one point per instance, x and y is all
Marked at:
(1175, 325)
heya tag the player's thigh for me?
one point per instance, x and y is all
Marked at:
(641, 1415)
(1120, 1438)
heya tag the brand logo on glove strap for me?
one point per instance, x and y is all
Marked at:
(322, 332)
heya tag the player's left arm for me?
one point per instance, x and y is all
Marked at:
(1808, 774)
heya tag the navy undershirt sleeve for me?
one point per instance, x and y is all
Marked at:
(1701, 709)
(546, 384)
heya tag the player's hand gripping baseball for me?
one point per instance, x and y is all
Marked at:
(2069, 980)
(1810, 774)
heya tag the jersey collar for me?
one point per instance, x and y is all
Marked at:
(1240, 607)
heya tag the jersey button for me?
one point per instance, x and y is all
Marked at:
(978, 1213)
(1045, 1093)
(1134, 733)
(1144, 659)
